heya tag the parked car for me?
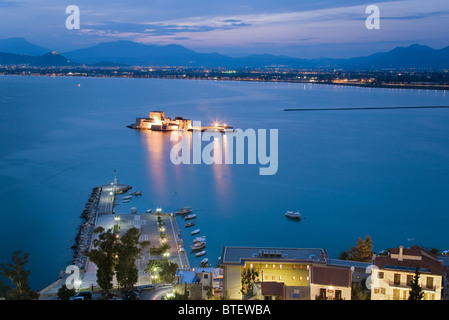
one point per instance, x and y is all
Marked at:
(83, 295)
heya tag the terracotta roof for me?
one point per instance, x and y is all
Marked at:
(340, 277)
(272, 288)
(429, 262)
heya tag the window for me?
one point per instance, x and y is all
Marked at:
(294, 266)
(280, 266)
(395, 294)
(429, 283)
(397, 278)
(274, 266)
(409, 279)
(338, 294)
(405, 295)
(380, 275)
(294, 277)
(300, 278)
(266, 277)
(280, 277)
(273, 278)
(205, 276)
(251, 265)
(266, 266)
(322, 293)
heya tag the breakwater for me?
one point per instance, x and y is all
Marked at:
(85, 231)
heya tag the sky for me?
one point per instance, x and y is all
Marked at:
(297, 28)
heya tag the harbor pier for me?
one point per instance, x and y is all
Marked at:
(100, 211)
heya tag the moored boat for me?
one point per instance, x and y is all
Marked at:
(293, 214)
(194, 232)
(184, 210)
(204, 262)
(198, 246)
(199, 239)
(190, 217)
(199, 254)
(190, 224)
(127, 198)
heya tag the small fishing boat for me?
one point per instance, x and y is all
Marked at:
(133, 210)
(149, 211)
(204, 261)
(198, 245)
(190, 224)
(196, 231)
(137, 193)
(125, 201)
(293, 215)
(127, 198)
(184, 210)
(200, 254)
(190, 217)
(199, 239)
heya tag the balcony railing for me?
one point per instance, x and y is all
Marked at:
(404, 285)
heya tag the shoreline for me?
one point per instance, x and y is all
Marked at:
(331, 83)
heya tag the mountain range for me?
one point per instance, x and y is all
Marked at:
(17, 51)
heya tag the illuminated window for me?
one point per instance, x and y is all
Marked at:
(274, 266)
(300, 278)
(273, 278)
(280, 266)
(294, 277)
(294, 266)
(266, 266)
(280, 277)
(266, 277)
(251, 265)
(307, 267)
(307, 278)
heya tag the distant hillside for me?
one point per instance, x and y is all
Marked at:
(51, 59)
(132, 53)
(129, 53)
(21, 46)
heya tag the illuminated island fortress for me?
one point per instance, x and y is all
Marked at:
(157, 121)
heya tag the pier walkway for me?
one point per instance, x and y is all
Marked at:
(102, 214)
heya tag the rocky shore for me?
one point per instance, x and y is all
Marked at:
(85, 232)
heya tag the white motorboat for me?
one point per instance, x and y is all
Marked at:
(199, 254)
(127, 198)
(198, 245)
(190, 217)
(199, 239)
(184, 210)
(293, 214)
(194, 232)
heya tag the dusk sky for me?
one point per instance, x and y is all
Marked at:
(299, 28)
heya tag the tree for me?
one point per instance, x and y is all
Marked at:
(362, 251)
(344, 255)
(18, 275)
(434, 250)
(248, 278)
(168, 271)
(128, 250)
(416, 292)
(113, 255)
(358, 292)
(65, 293)
(103, 255)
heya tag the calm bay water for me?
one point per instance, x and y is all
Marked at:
(383, 173)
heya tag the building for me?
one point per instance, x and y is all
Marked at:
(393, 273)
(197, 283)
(284, 273)
(157, 121)
(330, 283)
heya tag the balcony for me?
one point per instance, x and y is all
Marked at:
(403, 285)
